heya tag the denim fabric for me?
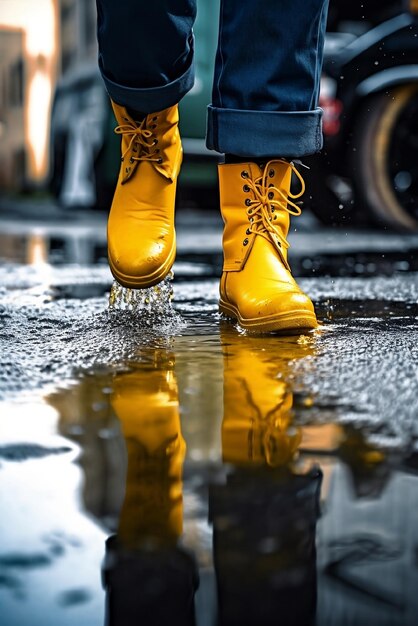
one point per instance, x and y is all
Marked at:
(264, 133)
(146, 51)
(267, 73)
(267, 69)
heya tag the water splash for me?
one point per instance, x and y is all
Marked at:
(149, 308)
(154, 301)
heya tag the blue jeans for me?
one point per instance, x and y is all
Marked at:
(267, 69)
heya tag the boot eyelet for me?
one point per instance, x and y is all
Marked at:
(154, 143)
(271, 185)
(160, 160)
(279, 244)
(244, 174)
(245, 242)
(275, 217)
(122, 159)
(246, 188)
(271, 195)
(131, 160)
(271, 173)
(154, 119)
(248, 202)
(248, 231)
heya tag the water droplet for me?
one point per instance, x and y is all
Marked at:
(403, 180)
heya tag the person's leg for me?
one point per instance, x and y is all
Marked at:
(267, 73)
(146, 51)
(264, 110)
(146, 60)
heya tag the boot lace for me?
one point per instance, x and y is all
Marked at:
(142, 142)
(268, 199)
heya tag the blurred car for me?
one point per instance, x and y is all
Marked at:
(368, 170)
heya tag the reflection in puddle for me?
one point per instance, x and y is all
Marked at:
(145, 554)
(259, 471)
(264, 513)
(264, 546)
(219, 478)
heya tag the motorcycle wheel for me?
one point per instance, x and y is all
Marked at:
(384, 157)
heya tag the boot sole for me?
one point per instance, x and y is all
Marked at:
(296, 321)
(142, 282)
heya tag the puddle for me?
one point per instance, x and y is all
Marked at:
(205, 483)
(166, 468)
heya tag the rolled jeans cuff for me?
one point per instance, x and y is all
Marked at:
(150, 99)
(264, 133)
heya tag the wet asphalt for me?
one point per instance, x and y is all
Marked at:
(328, 525)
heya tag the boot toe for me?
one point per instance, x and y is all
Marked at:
(286, 311)
(142, 264)
(278, 304)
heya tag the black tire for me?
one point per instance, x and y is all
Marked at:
(385, 154)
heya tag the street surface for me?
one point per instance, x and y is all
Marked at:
(299, 455)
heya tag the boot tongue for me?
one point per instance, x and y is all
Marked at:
(273, 174)
(164, 126)
(138, 116)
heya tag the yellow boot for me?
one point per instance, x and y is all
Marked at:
(257, 287)
(141, 235)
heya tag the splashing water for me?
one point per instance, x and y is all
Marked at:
(152, 302)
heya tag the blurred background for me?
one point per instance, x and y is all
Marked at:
(56, 125)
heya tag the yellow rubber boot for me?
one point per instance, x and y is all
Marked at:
(257, 287)
(141, 234)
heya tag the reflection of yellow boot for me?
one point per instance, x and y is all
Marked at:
(146, 403)
(257, 425)
(257, 287)
(141, 235)
(149, 578)
(263, 514)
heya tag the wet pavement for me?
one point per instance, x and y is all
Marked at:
(168, 468)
